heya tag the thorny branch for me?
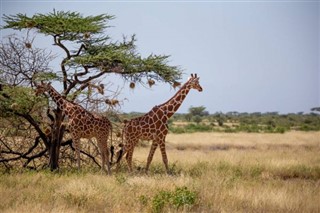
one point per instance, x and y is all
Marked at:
(11, 154)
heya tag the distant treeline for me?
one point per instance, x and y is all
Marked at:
(199, 120)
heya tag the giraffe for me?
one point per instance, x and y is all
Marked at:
(82, 124)
(153, 126)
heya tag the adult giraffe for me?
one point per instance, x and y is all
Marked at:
(153, 126)
(82, 124)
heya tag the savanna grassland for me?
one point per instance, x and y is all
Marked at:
(211, 172)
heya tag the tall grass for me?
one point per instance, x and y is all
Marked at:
(250, 173)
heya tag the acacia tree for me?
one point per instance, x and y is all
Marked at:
(89, 55)
(196, 113)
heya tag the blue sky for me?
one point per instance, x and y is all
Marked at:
(251, 56)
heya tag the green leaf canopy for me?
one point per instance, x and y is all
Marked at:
(96, 51)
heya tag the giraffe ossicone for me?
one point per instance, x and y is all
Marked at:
(82, 124)
(153, 126)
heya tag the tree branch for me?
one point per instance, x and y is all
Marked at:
(22, 155)
(36, 126)
(69, 142)
(57, 42)
(79, 51)
(38, 155)
(91, 78)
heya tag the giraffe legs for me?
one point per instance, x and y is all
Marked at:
(106, 161)
(164, 156)
(129, 159)
(163, 153)
(151, 153)
(76, 143)
(104, 151)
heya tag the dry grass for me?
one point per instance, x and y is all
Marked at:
(238, 172)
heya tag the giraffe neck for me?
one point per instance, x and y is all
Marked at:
(61, 102)
(173, 104)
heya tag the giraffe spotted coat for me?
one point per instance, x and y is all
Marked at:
(82, 124)
(153, 126)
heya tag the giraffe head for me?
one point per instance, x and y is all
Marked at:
(193, 82)
(42, 88)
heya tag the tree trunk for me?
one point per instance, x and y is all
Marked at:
(54, 155)
(56, 139)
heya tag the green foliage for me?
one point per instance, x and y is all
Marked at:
(245, 122)
(180, 197)
(188, 117)
(190, 128)
(196, 114)
(89, 54)
(197, 119)
(45, 76)
(198, 111)
(130, 64)
(21, 101)
(160, 200)
(96, 51)
(280, 129)
(68, 25)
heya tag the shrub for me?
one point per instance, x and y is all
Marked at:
(180, 197)
(280, 129)
(197, 119)
(198, 128)
(190, 128)
(177, 130)
(160, 200)
(183, 197)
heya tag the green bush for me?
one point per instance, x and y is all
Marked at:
(160, 200)
(180, 197)
(280, 129)
(183, 197)
(197, 119)
(191, 128)
(248, 122)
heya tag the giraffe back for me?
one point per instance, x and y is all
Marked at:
(147, 127)
(85, 125)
